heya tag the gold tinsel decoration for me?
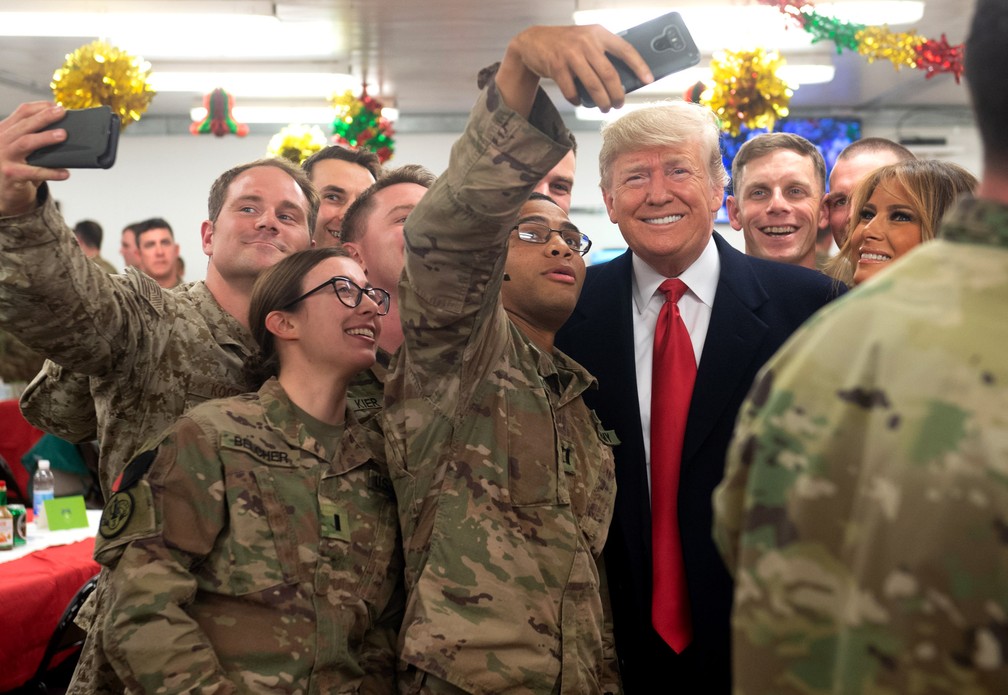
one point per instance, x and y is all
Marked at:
(876, 43)
(98, 74)
(347, 105)
(296, 142)
(746, 90)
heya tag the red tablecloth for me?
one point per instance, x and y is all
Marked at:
(16, 438)
(34, 592)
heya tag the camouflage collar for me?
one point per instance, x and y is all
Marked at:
(225, 328)
(976, 221)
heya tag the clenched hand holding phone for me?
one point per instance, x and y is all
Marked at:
(665, 45)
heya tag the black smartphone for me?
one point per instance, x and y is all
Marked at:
(665, 45)
(91, 142)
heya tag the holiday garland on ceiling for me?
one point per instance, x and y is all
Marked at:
(748, 92)
(909, 49)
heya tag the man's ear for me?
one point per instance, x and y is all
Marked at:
(733, 213)
(354, 250)
(607, 198)
(206, 235)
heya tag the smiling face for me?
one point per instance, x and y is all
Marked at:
(663, 200)
(339, 183)
(545, 279)
(778, 207)
(264, 217)
(846, 174)
(888, 227)
(332, 337)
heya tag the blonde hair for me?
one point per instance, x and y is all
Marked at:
(931, 186)
(664, 124)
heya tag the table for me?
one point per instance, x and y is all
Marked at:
(37, 582)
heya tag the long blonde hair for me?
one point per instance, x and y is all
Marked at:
(931, 185)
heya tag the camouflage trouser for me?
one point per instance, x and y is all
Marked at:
(94, 674)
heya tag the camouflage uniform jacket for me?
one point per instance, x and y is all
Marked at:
(218, 586)
(504, 478)
(60, 402)
(865, 505)
(152, 353)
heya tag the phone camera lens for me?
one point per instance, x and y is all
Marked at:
(670, 39)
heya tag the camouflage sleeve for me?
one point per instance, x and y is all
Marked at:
(59, 401)
(61, 304)
(457, 235)
(178, 511)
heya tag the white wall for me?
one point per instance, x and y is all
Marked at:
(169, 176)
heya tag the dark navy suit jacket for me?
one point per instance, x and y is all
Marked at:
(758, 304)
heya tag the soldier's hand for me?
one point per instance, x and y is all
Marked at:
(19, 137)
(566, 53)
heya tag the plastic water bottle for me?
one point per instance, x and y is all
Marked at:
(43, 488)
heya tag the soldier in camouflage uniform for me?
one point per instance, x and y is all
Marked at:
(864, 508)
(216, 586)
(151, 353)
(504, 478)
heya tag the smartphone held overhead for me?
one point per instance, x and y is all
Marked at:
(665, 45)
(91, 141)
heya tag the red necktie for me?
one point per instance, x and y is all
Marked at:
(673, 374)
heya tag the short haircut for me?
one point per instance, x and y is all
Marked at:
(151, 223)
(665, 124)
(768, 143)
(219, 189)
(873, 145)
(275, 288)
(357, 213)
(89, 232)
(361, 157)
(985, 64)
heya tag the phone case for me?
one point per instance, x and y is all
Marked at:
(91, 143)
(665, 45)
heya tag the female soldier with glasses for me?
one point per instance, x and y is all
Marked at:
(256, 546)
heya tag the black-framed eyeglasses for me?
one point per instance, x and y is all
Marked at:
(349, 293)
(537, 233)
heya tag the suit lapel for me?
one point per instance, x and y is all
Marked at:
(733, 338)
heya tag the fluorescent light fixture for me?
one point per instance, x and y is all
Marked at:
(255, 84)
(312, 115)
(719, 26)
(208, 33)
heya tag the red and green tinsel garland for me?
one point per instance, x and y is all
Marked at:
(359, 123)
(875, 42)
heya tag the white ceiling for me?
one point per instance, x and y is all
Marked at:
(422, 56)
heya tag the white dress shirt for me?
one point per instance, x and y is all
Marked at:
(695, 308)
